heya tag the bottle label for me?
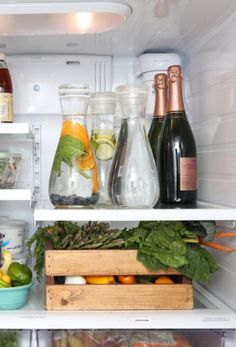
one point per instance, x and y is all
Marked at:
(6, 107)
(188, 174)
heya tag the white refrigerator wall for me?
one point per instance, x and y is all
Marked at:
(211, 64)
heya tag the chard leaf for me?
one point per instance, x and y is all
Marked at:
(137, 238)
(149, 225)
(206, 229)
(200, 264)
(166, 257)
(150, 262)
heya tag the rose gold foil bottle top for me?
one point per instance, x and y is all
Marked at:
(160, 81)
(174, 72)
(175, 77)
(160, 85)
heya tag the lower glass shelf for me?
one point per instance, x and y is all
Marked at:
(209, 313)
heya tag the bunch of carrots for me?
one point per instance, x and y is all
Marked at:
(218, 246)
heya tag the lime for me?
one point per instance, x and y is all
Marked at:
(104, 150)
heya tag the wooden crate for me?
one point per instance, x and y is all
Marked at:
(110, 297)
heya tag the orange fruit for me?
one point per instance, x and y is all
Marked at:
(164, 280)
(77, 131)
(129, 279)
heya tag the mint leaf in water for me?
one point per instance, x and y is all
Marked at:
(68, 150)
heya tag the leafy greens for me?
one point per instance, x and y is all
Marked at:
(170, 244)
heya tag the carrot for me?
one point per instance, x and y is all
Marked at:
(223, 234)
(217, 246)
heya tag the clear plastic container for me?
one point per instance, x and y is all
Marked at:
(103, 139)
(74, 181)
(133, 181)
(9, 163)
(12, 235)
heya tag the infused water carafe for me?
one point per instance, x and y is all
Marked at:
(74, 179)
(133, 180)
(103, 139)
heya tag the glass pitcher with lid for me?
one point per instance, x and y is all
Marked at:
(103, 139)
(74, 181)
(133, 181)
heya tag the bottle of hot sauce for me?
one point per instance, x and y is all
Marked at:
(6, 92)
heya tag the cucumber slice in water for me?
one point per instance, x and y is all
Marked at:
(104, 151)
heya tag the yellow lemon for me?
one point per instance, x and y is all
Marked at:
(6, 279)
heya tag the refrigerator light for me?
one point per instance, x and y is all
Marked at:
(62, 18)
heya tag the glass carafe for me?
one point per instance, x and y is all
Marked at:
(103, 107)
(133, 181)
(74, 179)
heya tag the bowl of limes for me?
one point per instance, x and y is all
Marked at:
(13, 298)
(15, 283)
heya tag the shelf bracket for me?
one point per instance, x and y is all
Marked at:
(36, 130)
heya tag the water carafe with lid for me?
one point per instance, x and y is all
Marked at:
(133, 181)
(103, 139)
(74, 176)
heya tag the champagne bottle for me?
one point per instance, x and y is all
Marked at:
(177, 160)
(160, 85)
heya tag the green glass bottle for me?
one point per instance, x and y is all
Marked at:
(177, 158)
(160, 85)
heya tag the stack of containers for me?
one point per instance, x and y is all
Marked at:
(150, 64)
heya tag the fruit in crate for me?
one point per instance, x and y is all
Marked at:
(75, 280)
(100, 280)
(164, 280)
(129, 279)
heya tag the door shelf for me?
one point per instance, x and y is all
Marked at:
(15, 195)
(15, 129)
(202, 212)
(209, 313)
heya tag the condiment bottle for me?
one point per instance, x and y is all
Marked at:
(6, 92)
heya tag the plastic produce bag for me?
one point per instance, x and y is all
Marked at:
(119, 338)
(93, 338)
(158, 338)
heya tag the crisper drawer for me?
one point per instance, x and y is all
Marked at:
(135, 338)
(12, 338)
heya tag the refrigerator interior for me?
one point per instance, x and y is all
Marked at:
(203, 38)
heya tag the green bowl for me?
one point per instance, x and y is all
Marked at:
(14, 298)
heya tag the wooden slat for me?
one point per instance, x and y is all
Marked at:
(96, 262)
(119, 297)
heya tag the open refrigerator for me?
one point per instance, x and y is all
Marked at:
(198, 34)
